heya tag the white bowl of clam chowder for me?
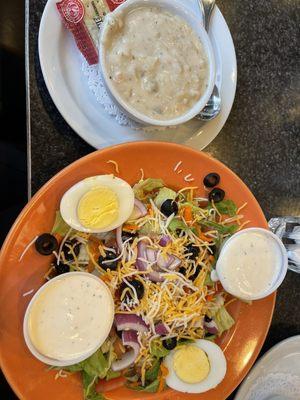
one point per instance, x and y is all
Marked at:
(157, 61)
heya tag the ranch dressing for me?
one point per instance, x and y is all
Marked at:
(249, 264)
(155, 61)
(70, 317)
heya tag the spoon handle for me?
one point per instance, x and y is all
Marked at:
(206, 7)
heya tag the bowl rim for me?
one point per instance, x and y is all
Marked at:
(191, 19)
(34, 351)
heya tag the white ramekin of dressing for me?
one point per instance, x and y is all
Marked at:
(252, 264)
(68, 318)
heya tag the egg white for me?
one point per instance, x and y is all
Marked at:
(216, 373)
(71, 198)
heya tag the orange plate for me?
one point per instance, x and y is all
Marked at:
(28, 377)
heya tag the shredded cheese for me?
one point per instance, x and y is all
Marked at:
(177, 166)
(27, 248)
(188, 178)
(115, 165)
(28, 293)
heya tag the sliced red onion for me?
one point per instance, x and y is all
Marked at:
(211, 327)
(151, 255)
(145, 254)
(141, 207)
(171, 262)
(119, 237)
(164, 241)
(125, 322)
(129, 338)
(141, 256)
(143, 266)
(175, 263)
(161, 329)
(155, 277)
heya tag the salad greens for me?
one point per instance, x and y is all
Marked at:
(96, 367)
(163, 195)
(150, 388)
(188, 241)
(157, 349)
(176, 224)
(227, 207)
(223, 229)
(223, 320)
(60, 226)
(142, 188)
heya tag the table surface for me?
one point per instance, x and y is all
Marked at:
(260, 140)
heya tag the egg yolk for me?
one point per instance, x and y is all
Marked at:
(98, 208)
(191, 364)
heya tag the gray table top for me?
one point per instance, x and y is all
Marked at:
(260, 140)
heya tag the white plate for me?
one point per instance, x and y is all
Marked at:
(61, 67)
(284, 358)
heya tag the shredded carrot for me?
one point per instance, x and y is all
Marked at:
(57, 236)
(105, 278)
(187, 214)
(209, 297)
(202, 236)
(132, 227)
(150, 211)
(211, 258)
(164, 372)
(205, 238)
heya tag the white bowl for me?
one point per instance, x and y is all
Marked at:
(174, 7)
(281, 273)
(32, 348)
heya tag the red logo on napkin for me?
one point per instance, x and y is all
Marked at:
(73, 10)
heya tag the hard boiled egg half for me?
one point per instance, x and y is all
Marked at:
(97, 204)
(196, 367)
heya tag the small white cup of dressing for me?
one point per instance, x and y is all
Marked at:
(252, 264)
(68, 318)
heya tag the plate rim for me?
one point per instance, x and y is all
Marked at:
(51, 182)
(97, 141)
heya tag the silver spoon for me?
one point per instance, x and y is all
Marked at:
(213, 106)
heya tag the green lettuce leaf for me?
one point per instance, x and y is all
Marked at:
(148, 185)
(72, 368)
(210, 337)
(147, 229)
(227, 207)
(223, 320)
(89, 391)
(223, 229)
(151, 388)
(60, 226)
(163, 195)
(176, 224)
(112, 374)
(157, 349)
(208, 281)
(153, 372)
(96, 365)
